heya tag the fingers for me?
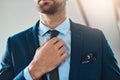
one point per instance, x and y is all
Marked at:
(62, 58)
(54, 40)
(62, 54)
(57, 42)
(62, 51)
(60, 44)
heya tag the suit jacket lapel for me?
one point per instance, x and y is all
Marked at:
(33, 43)
(76, 50)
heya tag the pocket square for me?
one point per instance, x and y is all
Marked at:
(88, 58)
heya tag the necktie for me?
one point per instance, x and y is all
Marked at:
(54, 73)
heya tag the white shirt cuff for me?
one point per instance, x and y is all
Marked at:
(27, 74)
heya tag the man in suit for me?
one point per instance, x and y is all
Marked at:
(76, 53)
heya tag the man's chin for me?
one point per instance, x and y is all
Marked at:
(47, 12)
(45, 8)
(48, 8)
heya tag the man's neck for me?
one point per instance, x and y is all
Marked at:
(53, 20)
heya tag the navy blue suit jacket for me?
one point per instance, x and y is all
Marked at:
(91, 56)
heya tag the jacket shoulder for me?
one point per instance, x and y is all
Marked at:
(22, 34)
(86, 29)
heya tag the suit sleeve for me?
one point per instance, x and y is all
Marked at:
(6, 66)
(110, 68)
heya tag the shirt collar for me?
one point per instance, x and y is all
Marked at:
(63, 28)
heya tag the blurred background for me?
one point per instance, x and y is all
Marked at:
(18, 15)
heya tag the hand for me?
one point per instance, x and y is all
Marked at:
(47, 57)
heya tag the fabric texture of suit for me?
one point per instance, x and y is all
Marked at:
(102, 65)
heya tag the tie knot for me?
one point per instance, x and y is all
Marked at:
(53, 33)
